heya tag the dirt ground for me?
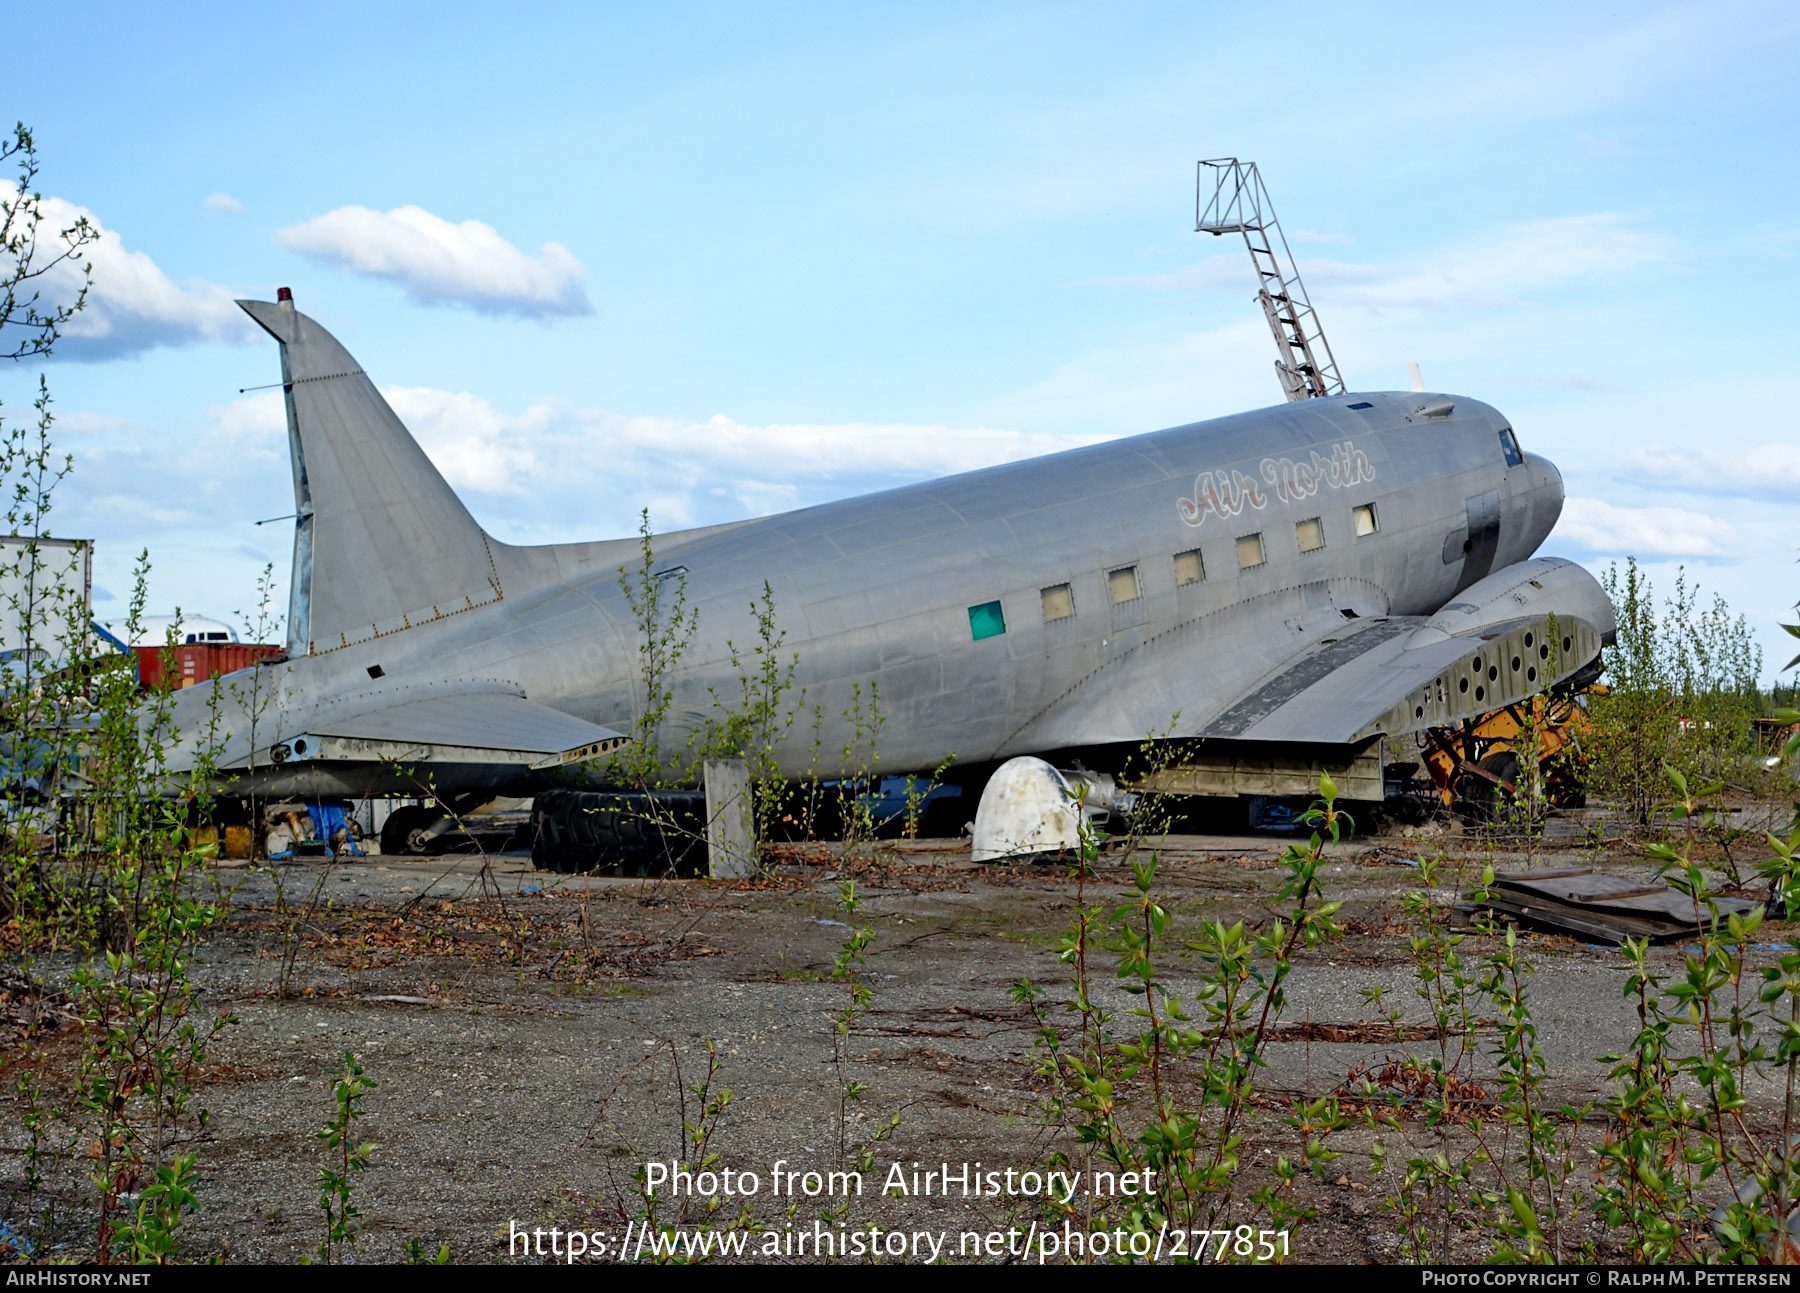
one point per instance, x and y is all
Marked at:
(525, 1029)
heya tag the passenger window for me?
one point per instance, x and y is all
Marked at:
(1189, 568)
(986, 621)
(1310, 534)
(1363, 516)
(1059, 602)
(1122, 584)
(1509, 445)
(1250, 551)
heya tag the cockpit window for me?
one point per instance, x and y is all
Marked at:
(1509, 445)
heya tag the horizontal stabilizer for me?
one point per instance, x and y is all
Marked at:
(474, 723)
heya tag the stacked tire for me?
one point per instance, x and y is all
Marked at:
(633, 833)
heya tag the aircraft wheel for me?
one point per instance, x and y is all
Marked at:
(403, 834)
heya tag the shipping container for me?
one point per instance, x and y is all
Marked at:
(200, 661)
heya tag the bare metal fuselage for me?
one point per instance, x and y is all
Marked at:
(888, 591)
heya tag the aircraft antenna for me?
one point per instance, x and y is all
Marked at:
(1240, 204)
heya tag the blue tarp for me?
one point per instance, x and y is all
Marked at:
(327, 821)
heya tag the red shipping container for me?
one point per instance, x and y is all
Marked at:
(199, 661)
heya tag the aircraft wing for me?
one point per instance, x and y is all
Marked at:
(1509, 637)
(482, 723)
(1326, 675)
(1384, 682)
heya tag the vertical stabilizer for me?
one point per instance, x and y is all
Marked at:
(381, 543)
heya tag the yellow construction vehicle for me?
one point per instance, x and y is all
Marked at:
(1476, 766)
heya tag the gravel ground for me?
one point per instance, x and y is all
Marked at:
(526, 1029)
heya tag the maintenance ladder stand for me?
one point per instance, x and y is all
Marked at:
(1240, 204)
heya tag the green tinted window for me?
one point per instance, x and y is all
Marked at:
(986, 621)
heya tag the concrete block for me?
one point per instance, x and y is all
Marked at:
(730, 830)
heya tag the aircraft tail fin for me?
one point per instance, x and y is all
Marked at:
(381, 542)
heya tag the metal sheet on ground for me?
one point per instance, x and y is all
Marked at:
(1609, 908)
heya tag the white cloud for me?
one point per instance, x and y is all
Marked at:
(1128, 389)
(1505, 265)
(1502, 267)
(439, 262)
(1765, 472)
(132, 305)
(672, 512)
(553, 445)
(586, 471)
(1609, 530)
(1779, 243)
(136, 507)
(223, 202)
(94, 423)
(1583, 382)
(254, 421)
(1599, 145)
(1226, 273)
(1548, 70)
(473, 443)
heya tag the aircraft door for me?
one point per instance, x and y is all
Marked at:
(1483, 540)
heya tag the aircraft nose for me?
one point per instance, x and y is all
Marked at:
(1543, 499)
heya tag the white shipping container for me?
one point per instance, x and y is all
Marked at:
(45, 586)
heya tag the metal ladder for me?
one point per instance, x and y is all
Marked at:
(1240, 204)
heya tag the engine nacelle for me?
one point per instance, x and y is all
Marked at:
(1030, 807)
(1541, 586)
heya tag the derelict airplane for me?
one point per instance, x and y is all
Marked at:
(1308, 586)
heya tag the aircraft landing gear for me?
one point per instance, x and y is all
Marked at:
(410, 831)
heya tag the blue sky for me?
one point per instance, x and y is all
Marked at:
(718, 260)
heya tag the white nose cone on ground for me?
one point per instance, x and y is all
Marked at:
(1027, 808)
